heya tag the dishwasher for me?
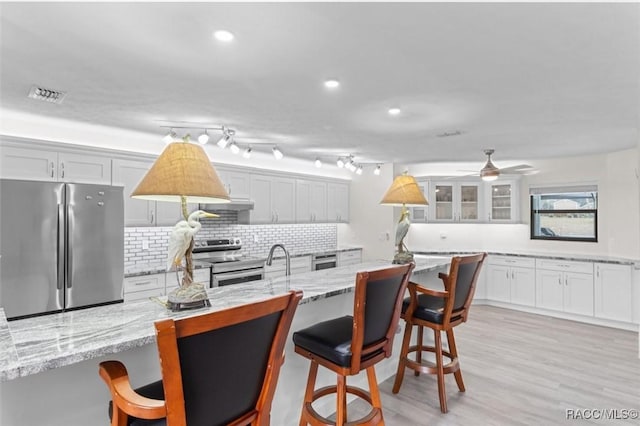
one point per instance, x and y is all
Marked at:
(324, 261)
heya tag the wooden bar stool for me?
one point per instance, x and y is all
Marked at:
(350, 344)
(219, 368)
(440, 311)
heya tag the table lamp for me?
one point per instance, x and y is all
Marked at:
(404, 191)
(184, 174)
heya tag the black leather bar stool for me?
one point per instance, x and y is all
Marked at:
(439, 311)
(219, 368)
(350, 344)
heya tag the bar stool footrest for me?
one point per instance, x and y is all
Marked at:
(316, 419)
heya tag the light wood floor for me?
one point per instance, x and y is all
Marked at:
(523, 369)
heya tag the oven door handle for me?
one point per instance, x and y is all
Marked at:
(231, 275)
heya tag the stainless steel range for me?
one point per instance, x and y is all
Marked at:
(228, 265)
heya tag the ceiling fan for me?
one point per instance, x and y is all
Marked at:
(490, 172)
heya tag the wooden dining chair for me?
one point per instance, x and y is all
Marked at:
(350, 344)
(219, 368)
(440, 311)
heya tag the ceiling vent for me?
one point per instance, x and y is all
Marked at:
(48, 95)
(449, 134)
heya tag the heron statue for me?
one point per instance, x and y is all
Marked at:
(181, 242)
(403, 255)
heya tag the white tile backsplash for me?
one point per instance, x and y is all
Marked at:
(256, 239)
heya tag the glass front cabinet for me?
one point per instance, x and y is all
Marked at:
(456, 201)
(502, 201)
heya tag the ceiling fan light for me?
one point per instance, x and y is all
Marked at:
(489, 172)
(359, 170)
(376, 171)
(247, 153)
(340, 162)
(318, 163)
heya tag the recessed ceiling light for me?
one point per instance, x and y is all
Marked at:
(394, 111)
(223, 35)
(331, 84)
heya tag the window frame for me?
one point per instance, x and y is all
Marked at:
(551, 191)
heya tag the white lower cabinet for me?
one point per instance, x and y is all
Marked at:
(145, 286)
(565, 286)
(612, 291)
(299, 265)
(511, 280)
(351, 257)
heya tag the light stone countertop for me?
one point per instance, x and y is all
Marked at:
(37, 344)
(542, 255)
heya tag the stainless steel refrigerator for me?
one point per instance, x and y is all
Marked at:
(61, 246)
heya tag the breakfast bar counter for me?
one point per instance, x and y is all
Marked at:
(55, 357)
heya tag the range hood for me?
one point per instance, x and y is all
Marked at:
(236, 205)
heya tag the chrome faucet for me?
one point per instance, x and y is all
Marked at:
(286, 255)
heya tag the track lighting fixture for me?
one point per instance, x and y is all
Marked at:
(203, 138)
(277, 153)
(234, 147)
(170, 136)
(227, 139)
(224, 140)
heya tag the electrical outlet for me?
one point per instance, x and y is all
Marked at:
(145, 244)
(256, 239)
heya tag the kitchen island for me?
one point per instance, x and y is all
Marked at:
(53, 360)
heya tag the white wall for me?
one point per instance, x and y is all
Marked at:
(618, 211)
(371, 226)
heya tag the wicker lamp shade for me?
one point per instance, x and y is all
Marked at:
(404, 191)
(182, 170)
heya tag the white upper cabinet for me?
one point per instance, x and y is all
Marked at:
(311, 201)
(273, 198)
(455, 201)
(421, 213)
(129, 173)
(502, 201)
(237, 184)
(42, 164)
(338, 202)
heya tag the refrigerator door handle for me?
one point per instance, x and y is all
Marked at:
(61, 248)
(68, 250)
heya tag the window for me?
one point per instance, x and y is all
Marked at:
(566, 213)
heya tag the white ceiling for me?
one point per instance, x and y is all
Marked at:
(530, 80)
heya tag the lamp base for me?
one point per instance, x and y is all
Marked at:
(178, 306)
(402, 257)
(190, 296)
